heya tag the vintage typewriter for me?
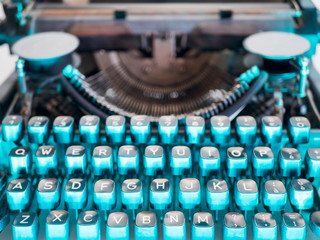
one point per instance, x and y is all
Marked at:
(160, 120)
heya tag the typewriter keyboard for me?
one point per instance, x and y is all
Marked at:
(196, 179)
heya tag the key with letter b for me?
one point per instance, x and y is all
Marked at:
(146, 226)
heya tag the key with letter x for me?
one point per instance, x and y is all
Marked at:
(57, 225)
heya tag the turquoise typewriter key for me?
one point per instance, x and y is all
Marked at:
(160, 194)
(19, 194)
(102, 160)
(128, 160)
(116, 128)
(290, 162)
(313, 162)
(25, 226)
(57, 225)
(168, 129)
(153, 160)
(237, 161)
(234, 227)
(46, 159)
(264, 227)
(217, 194)
(299, 130)
(63, 129)
(20, 160)
(293, 227)
(181, 162)
(246, 129)
(48, 193)
(140, 128)
(202, 226)
(132, 194)
(301, 194)
(88, 226)
(174, 226)
(195, 128)
(274, 195)
(75, 194)
(220, 129)
(271, 129)
(12, 128)
(210, 162)
(104, 196)
(246, 194)
(146, 226)
(314, 223)
(38, 129)
(76, 160)
(89, 129)
(118, 226)
(263, 161)
(189, 193)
